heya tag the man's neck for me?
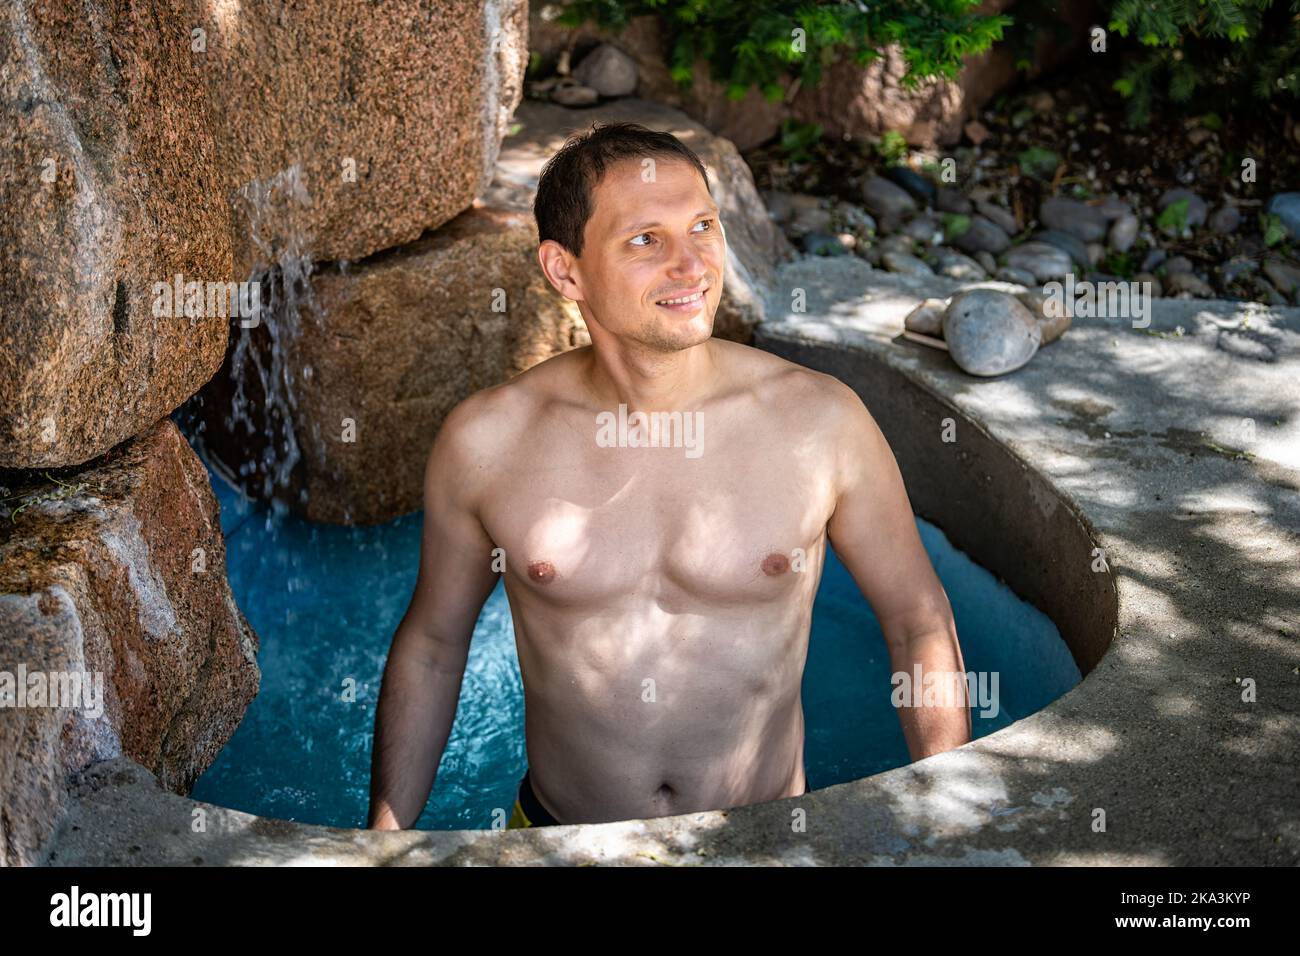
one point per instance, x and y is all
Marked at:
(648, 380)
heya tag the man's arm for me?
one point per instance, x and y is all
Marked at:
(421, 686)
(874, 534)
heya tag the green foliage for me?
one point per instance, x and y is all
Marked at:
(1038, 162)
(797, 138)
(1173, 219)
(892, 148)
(1272, 228)
(761, 43)
(955, 224)
(1243, 49)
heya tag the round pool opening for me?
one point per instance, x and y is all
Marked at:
(325, 601)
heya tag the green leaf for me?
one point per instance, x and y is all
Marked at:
(955, 225)
(1173, 220)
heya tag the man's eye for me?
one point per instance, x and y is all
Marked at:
(635, 238)
(704, 221)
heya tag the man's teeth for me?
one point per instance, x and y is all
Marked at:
(684, 299)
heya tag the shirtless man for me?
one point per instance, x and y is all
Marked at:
(661, 595)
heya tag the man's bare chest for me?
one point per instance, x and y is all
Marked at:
(578, 526)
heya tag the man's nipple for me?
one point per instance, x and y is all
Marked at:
(543, 572)
(775, 563)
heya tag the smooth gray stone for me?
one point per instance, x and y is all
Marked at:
(1043, 260)
(1286, 206)
(1078, 219)
(1071, 245)
(886, 201)
(998, 216)
(905, 264)
(982, 236)
(990, 332)
(1123, 232)
(954, 265)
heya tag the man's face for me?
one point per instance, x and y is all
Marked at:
(654, 235)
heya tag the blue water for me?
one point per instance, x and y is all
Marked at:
(325, 601)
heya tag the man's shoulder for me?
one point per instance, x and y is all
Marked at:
(481, 426)
(780, 384)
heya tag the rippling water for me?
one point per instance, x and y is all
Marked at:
(325, 601)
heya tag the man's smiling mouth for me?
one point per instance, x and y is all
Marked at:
(683, 300)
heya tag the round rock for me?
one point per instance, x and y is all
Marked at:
(990, 332)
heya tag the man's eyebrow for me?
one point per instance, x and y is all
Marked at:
(638, 227)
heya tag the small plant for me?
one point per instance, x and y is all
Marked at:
(1271, 226)
(64, 490)
(798, 138)
(1172, 221)
(1038, 162)
(892, 148)
(955, 225)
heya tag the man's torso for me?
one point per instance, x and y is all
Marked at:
(662, 602)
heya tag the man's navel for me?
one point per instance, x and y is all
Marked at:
(775, 563)
(543, 572)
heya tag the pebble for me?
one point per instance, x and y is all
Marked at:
(1153, 260)
(574, 94)
(1189, 283)
(1078, 219)
(924, 228)
(1177, 264)
(905, 264)
(896, 243)
(1284, 276)
(998, 216)
(886, 201)
(990, 332)
(1225, 220)
(983, 235)
(823, 244)
(1112, 207)
(1123, 232)
(986, 260)
(951, 200)
(1052, 322)
(927, 318)
(1042, 260)
(913, 182)
(954, 265)
(1237, 268)
(1096, 252)
(1017, 276)
(855, 218)
(1286, 206)
(1157, 289)
(1070, 245)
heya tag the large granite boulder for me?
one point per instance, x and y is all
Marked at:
(754, 243)
(176, 138)
(110, 181)
(386, 116)
(116, 570)
(382, 351)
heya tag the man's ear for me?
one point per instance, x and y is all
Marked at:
(560, 268)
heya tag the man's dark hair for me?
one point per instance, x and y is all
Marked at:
(563, 203)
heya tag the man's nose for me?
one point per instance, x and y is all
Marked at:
(687, 260)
